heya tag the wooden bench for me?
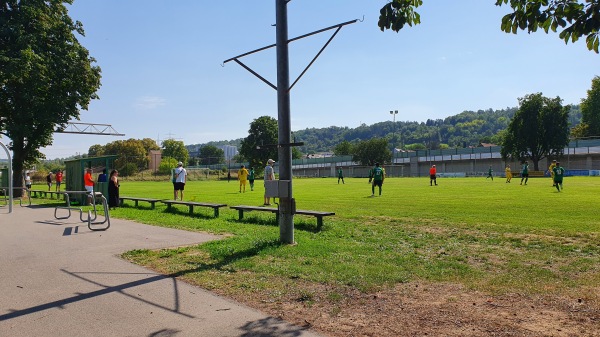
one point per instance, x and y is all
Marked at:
(151, 201)
(45, 193)
(191, 205)
(317, 214)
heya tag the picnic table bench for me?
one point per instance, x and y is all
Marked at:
(317, 214)
(192, 204)
(151, 201)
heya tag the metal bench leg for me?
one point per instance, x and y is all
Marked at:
(241, 214)
(136, 204)
(191, 209)
(216, 211)
(152, 203)
(319, 222)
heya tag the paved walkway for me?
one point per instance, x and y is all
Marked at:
(58, 278)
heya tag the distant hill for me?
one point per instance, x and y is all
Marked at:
(468, 128)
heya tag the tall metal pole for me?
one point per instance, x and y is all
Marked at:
(286, 216)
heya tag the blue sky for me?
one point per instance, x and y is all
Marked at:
(162, 73)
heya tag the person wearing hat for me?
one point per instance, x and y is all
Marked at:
(432, 175)
(180, 177)
(269, 175)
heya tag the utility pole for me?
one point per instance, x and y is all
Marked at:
(287, 204)
(286, 209)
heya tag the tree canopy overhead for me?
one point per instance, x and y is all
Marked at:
(590, 109)
(46, 76)
(573, 18)
(539, 129)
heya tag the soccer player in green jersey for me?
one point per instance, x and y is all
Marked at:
(559, 173)
(340, 175)
(377, 175)
(490, 173)
(525, 173)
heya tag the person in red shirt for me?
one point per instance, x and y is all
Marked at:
(59, 178)
(89, 184)
(432, 175)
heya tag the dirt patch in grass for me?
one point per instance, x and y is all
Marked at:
(417, 309)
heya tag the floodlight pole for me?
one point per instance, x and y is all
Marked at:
(286, 216)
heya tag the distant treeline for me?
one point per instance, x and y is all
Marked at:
(469, 128)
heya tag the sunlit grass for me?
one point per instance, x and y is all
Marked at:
(488, 235)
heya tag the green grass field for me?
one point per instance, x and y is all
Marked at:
(490, 236)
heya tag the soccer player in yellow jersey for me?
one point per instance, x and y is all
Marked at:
(508, 173)
(243, 177)
(551, 170)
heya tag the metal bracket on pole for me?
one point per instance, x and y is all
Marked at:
(338, 26)
(280, 145)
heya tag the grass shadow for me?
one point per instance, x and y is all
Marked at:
(186, 212)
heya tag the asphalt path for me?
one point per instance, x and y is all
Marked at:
(58, 278)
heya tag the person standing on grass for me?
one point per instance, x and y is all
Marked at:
(490, 173)
(508, 173)
(551, 171)
(102, 177)
(113, 189)
(432, 175)
(269, 175)
(242, 177)
(524, 173)
(340, 175)
(180, 179)
(251, 178)
(59, 177)
(27, 181)
(559, 173)
(49, 180)
(88, 183)
(377, 176)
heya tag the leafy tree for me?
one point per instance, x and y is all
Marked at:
(46, 76)
(96, 150)
(296, 154)
(149, 144)
(343, 149)
(580, 130)
(573, 17)
(260, 145)
(238, 158)
(369, 152)
(130, 151)
(175, 149)
(539, 129)
(590, 109)
(210, 154)
(166, 165)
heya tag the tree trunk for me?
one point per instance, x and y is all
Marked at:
(17, 166)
